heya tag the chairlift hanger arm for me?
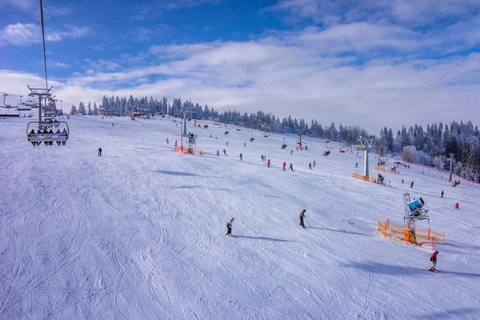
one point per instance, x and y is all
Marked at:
(4, 104)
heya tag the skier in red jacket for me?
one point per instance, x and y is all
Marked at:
(433, 261)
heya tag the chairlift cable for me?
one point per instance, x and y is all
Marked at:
(43, 41)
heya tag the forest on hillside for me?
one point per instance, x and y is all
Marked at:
(432, 146)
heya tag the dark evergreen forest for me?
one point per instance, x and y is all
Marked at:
(431, 146)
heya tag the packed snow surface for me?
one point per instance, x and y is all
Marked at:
(139, 233)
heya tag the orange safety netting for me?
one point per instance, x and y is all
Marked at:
(181, 149)
(420, 236)
(359, 176)
(387, 170)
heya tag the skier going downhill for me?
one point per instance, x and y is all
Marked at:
(302, 216)
(433, 261)
(229, 227)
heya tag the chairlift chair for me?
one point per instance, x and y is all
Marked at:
(25, 106)
(48, 132)
(284, 144)
(7, 110)
(4, 105)
(46, 129)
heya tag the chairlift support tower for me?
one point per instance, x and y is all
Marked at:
(367, 145)
(300, 138)
(451, 160)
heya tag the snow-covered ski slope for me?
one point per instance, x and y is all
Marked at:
(139, 233)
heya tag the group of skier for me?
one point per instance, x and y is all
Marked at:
(433, 257)
(302, 222)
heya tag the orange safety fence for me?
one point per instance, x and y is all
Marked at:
(424, 237)
(362, 177)
(181, 149)
(387, 169)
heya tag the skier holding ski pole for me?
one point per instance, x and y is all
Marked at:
(229, 227)
(302, 216)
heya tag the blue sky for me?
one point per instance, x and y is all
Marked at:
(365, 63)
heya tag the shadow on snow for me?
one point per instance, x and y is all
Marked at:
(264, 238)
(393, 270)
(342, 231)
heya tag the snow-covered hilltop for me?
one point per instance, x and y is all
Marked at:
(139, 233)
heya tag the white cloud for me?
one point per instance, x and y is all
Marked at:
(411, 13)
(23, 5)
(146, 34)
(18, 34)
(292, 80)
(55, 12)
(69, 32)
(59, 64)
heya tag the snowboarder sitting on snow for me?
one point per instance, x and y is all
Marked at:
(229, 227)
(302, 216)
(433, 261)
(380, 178)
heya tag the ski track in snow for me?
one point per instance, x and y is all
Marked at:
(139, 232)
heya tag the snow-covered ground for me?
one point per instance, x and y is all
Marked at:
(139, 233)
